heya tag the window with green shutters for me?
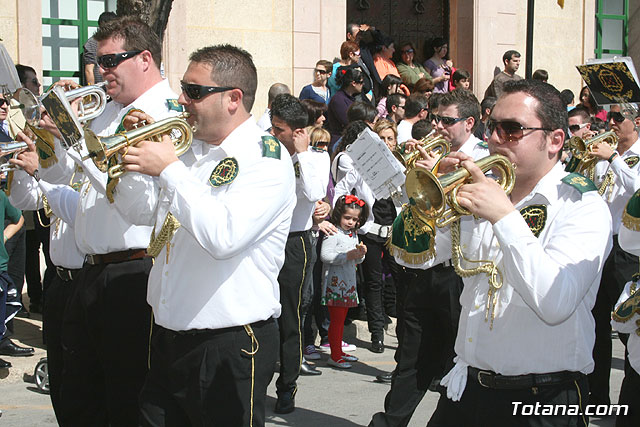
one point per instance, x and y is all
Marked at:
(612, 28)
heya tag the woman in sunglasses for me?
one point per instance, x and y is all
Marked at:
(588, 102)
(318, 90)
(410, 72)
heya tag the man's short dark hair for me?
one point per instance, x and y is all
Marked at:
(289, 109)
(277, 89)
(550, 109)
(106, 17)
(567, 96)
(487, 103)
(393, 100)
(351, 26)
(465, 101)
(230, 66)
(361, 111)
(580, 112)
(420, 129)
(135, 34)
(434, 101)
(508, 55)
(540, 74)
(22, 72)
(460, 75)
(415, 103)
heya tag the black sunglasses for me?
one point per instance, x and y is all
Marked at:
(407, 51)
(318, 70)
(616, 116)
(576, 128)
(3, 102)
(446, 121)
(112, 60)
(195, 91)
(509, 130)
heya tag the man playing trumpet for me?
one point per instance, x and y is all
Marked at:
(530, 272)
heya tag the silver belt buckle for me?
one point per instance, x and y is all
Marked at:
(89, 259)
(383, 232)
(479, 377)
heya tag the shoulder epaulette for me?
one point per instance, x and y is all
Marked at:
(270, 147)
(173, 104)
(631, 161)
(483, 144)
(579, 182)
(631, 214)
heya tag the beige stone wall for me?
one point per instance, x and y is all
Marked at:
(563, 38)
(21, 31)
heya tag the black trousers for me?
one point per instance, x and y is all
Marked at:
(617, 271)
(55, 302)
(486, 407)
(426, 351)
(309, 297)
(629, 392)
(105, 337)
(291, 280)
(36, 286)
(209, 378)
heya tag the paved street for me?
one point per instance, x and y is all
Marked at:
(335, 398)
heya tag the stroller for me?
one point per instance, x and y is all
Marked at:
(41, 375)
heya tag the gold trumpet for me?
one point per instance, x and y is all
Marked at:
(103, 149)
(430, 195)
(583, 160)
(431, 142)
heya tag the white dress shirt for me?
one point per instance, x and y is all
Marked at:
(264, 122)
(312, 178)
(475, 148)
(624, 184)
(543, 320)
(99, 225)
(224, 259)
(26, 194)
(404, 131)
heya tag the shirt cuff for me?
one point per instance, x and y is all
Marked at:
(171, 175)
(511, 229)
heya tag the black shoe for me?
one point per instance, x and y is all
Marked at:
(385, 378)
(8, 348)
(286, 403)
(377, 346)
(4, 364)
(306, 369)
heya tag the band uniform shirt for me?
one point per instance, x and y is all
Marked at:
(475, 148)
(223, 263)
(626, 181)
(26, 194)
(99, 225)
(311, 170)
(543, 320)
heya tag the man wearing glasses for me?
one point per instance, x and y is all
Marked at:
(221, 226)
(526, 331)
(617, 175)
(107, 325)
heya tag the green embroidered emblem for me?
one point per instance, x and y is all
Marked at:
(410, 240)
(632, 161)
(483, 144)
(631, 306)
(296, 168)
(270, 147)
(174, 105)
(579, 182)
(536, 217)
(572, 164)
(631, 214)
(225, 172)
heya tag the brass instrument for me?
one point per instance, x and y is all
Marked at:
(102, 149)
(431, 142)
(431, 194)
(583, 161)
(94, 101)
(12, 148)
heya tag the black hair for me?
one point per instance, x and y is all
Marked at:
(466, 103)
(487, 103)
(22, 72)
(431, 45)
(289, 109)
(550, 108)
(580, 111)
(540, 74)
(567, 96)
(434, 101)
(420, 129)
(350, 134)
(348, 74)
(388, 81)
(508, 55)
(460, 75)
(394, 100)
(415, 103)
(341, 207)
(314, 110)
(135, 35)
(106, 17)
(361, 111)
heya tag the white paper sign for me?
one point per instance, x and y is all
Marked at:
(377, 166)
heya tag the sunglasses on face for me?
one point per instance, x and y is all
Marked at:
(112, 60)
(509, 130)
(446, 121)
(576, 128)
(616, 116)
(3, 102)
(195, 91)
(319, 71)
(356, 53)
(407, 51)
(359, 81)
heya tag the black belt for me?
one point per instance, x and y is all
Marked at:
(222, 330)
(490, 379)
(113, 257)
(297, 233)
(67, 274)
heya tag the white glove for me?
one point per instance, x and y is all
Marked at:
(456, 380)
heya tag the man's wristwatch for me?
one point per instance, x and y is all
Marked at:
(36, 175)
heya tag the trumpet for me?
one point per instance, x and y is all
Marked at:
(12, 149)
(431, 142)
(583, 161)
(94, 101)
(432, 194)
(102, 149)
